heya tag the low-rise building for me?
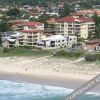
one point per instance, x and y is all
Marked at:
(93, 45)
(11, 40)
(72, 25)
(57, 41)
(16, 24)
(88, 13)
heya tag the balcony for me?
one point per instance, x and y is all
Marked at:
(77, 26)
(77, 23)
(70, 26)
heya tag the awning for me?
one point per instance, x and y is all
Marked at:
(11, 40)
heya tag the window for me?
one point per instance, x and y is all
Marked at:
(59, 41)
(62, 40)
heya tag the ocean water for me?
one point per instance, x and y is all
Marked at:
(29, 91)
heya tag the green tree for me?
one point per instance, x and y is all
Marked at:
(4, 26)
(34, 19)
(44, 17)
(0, 39)
(52, 26)
(97, 25)
(13, 12)
(66, 10)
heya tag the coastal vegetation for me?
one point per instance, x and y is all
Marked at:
(69, 54)
(92, 57)
(23, 51)
(0, 40)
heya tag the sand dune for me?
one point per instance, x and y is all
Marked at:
(48, 66)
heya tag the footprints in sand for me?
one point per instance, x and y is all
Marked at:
(48, 63)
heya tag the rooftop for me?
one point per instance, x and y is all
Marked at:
(93, 41)
(72, 19)
(31, 24)
(54, 37)
(31, 31)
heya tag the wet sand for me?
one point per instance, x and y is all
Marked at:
(46, 80)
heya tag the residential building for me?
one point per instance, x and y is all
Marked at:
(88, 13)
(31, 33)
(72, 25)
(57, 41)
(11, 40)
(16, 24)
(92, 45)
(53, 13)
(61, 4)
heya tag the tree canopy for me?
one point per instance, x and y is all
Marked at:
(26, 2)
(97, 24)
(4, 26)
(65, 11)
(13, 12)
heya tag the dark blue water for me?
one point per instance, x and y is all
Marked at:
(27, 91)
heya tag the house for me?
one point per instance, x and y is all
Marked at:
(31, 33)
(16, 24)
(61, 4)
(92, 45)
(33, 26)
(53, 13)
(88, 13)
(73, 25)
(11, 40)
(51, 21)
(57, 41)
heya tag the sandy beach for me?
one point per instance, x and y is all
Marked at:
(48, 71)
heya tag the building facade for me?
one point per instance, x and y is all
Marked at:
(31, 33)
(92, 45)
(82, 27)
(57, 41)
(88, 13)
(11, 40)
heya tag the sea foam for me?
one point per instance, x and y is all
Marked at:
(35, 90)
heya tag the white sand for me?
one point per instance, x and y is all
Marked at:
(48, 66)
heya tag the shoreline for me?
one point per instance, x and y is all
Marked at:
(47, 71)
(64, 82)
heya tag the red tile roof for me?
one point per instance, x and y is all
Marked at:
(31, 31)
(91, 11)
(31, 24)
(95, 41)
(72, 19)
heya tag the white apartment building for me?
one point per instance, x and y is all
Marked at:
(57, 41)
(31, 33)
(83, 27)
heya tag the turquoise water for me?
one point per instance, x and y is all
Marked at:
(27, 91)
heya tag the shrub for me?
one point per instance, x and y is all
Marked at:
(90, 57)
(63, 53)
(97, 56)
(5, 50)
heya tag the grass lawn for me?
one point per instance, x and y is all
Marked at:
(22, 51)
